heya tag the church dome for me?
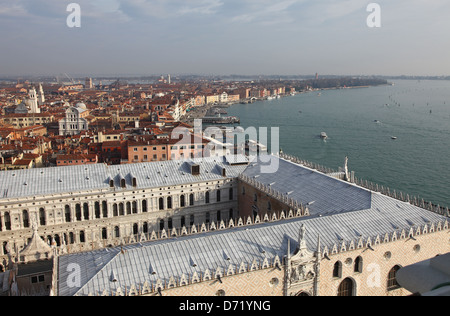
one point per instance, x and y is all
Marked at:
(81, 105)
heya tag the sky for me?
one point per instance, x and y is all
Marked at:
(222, 37)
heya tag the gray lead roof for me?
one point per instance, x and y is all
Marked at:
(47, 181)
(340, 212)
(174, 257)
(323, 193)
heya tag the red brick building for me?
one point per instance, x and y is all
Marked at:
(76, 159)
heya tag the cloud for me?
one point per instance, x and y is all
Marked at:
(267, 12)
(132, 9)
(204, 7)
(9, 9)
(166, 9)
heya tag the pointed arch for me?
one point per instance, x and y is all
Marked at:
(42, 217)
(358, 268)
(346, 288)
(392, 283)
(78, 215)
(67, 214)
(86, 211)
(25, 219)
(337, 270)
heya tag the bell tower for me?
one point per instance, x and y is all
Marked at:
(33, 101)
(41, 96)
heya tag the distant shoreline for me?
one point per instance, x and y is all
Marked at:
(201, 111)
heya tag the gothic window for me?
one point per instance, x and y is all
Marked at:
(26, 219)
(170, 223)
(123, 183)
(183, 221)
(42, 218)
(144, 206)
(134, 207)
(82, 237)
(161, 204)
(208, 217)
(207, 197)
(161, 224)
(86, 211)
(337, 270)
(97, 210)
(78, 212)
(67, 213)
(169, 202)
(128, 208)
(135, 229)
(57, 240)
(230, 194)
(117, 232)
(191, 220)
(392, 283)
(71, 238)
(105, 209)
(182, 201)
(218, 195)
(104, 233)
(191, 199)
(115, 210)
(255, 212)
(219, 216)
(346, 288)
(358, 265)
(121, 209)
(145, 228)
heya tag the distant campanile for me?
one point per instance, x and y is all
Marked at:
(88, 83)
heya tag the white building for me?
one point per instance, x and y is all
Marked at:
(223, 97)
(98, 205)
(74, 122)
(32, 101)
(41, 96)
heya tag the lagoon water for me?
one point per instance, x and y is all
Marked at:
(416, 112)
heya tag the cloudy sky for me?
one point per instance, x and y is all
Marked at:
(224, 37)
